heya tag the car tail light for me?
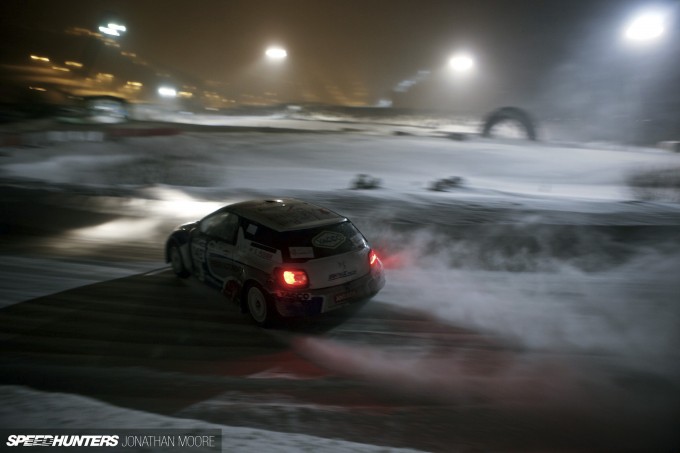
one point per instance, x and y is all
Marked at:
(373, 259)
(293, 278)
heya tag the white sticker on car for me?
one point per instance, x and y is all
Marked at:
(328, 240)
(301, 252)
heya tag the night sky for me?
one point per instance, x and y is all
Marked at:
(356, 52)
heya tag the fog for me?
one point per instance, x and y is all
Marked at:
(605, 87)
(581, 292)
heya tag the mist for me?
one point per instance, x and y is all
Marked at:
(582, 290)
(605, 88)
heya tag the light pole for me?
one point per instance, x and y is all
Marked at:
(462, 64)
(641, 32)
(275, 74)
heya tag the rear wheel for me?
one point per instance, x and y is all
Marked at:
(177, 262)
(259, 306)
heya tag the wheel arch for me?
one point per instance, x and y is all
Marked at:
(179, 238)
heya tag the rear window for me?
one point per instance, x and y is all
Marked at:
(302, 245)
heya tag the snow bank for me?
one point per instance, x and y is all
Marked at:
(21, 407)
(329, 161)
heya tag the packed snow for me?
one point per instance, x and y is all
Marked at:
(446, 252)
(22, 407)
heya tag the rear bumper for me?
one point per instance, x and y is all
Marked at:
(314, 302)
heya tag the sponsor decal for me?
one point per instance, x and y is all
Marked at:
(261, 254)
(301, 252)
(328, 240)
(292, 296)
(220, 264)
(344, 297)
(262, 251)
(257, 245)
(342, 274)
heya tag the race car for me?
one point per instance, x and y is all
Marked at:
(278, 259)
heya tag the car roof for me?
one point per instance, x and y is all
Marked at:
(286, 214)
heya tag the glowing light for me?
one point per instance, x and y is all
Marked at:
(289, 277)
(276, 53)
(167, 92)
(113, 29)
(117, 27)
(116, 229)
(372, 257)
(462, 63)
(185, 94)
(109, 31)
(39, 58)
(295, 278)
(37, 89)
(135, 84)
(75, 64)
(58, 68)
(171, 202)
(646, 27)
(162, 205)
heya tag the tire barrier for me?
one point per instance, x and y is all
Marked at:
(511, 114)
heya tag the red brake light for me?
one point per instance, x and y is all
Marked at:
(372, 258)
(294, 278)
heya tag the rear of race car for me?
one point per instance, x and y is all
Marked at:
(325, 284)
(323, 269)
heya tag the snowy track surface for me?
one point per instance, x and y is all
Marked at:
(534, 307)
